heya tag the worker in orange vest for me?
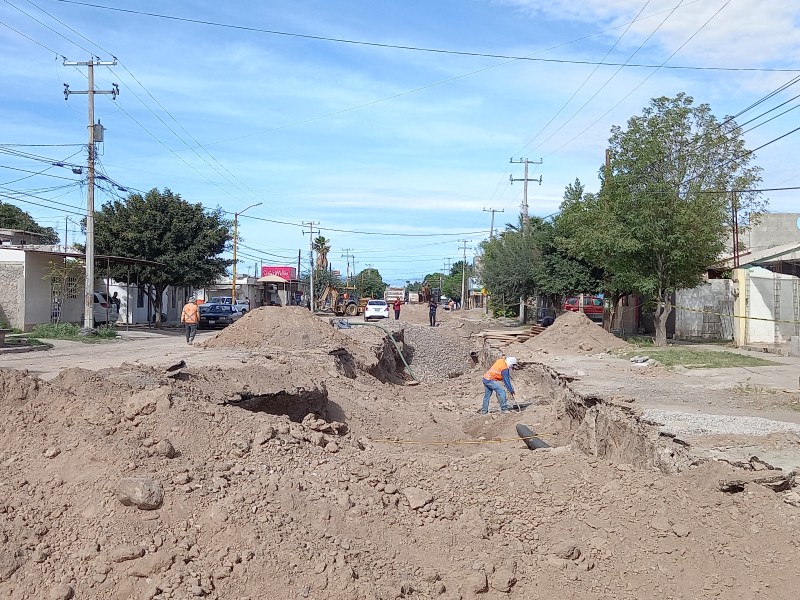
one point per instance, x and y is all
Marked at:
(190, 317)
(499, 371)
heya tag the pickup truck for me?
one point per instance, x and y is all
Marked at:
(241, 306)
(592, 306)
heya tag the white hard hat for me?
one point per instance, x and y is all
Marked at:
(511, 361)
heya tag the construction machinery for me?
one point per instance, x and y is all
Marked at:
(344, 302)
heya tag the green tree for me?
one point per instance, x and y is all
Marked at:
(370, 283)
(663, 213)
(508, 266)
(13, 217)
(163, 227)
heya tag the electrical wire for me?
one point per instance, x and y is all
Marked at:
(409, 48)
(626, 96)
(58, 33)
(27, 37)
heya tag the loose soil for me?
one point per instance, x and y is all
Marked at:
(288, 459)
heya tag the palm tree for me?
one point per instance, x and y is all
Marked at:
(322, 246)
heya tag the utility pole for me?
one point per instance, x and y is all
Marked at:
(235, 242)
(492, 210)
(88, 292)
(311, 233)
(464, 286)
(525, 179)
(347, 254)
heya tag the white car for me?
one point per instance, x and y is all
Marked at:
(376, 309)
(104, 311)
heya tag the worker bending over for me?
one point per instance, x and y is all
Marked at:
(499, 371)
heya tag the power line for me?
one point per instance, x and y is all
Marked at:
(412, 48)
(641, 83)
(58, 33)
(27, 37)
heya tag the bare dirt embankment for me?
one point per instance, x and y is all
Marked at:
(295, 476)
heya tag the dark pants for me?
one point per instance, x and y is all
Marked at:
(191, 329)
(396, 315)
(432, 317)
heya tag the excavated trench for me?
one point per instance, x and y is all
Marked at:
(602, 428)
(296, 405)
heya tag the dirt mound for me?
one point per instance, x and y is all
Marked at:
(575, 332)
(290, 327)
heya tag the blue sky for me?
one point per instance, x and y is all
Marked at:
(364, 138)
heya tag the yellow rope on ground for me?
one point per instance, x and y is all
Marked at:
(457, 442)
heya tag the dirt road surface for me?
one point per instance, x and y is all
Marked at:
(289, 459)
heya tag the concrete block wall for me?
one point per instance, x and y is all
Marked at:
(774, 229)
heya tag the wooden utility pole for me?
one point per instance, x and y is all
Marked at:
(95, 134)
(525, 179)
(311, 233)
(491, 227)
(464, 286)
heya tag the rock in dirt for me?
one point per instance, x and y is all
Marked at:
(141, 492)
(152, 564)
(61, 592)
(124, 553)
(416, 497)
(503, 580)
(166, 449)
(477, 583)
(567, 550)
(144, 403)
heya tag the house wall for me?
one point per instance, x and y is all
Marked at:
(774, 229)
(38, 293)
(761, 309)
(130, 312)
(690, 321)
(12, 290)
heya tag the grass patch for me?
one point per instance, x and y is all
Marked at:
(18, 342)
(640, 341)
(703, 359)
(70, 331)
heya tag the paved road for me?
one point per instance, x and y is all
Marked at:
(145, 346)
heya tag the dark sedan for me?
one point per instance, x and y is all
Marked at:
(217, 315)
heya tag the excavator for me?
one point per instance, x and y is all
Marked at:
(343, 303)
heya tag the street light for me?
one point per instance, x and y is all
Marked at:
(235, 241)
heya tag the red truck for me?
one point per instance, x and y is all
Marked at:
(592, 306)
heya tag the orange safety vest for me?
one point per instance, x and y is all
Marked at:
(495, 372)
(190, 314)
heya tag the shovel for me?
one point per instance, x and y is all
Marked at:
(514, 400)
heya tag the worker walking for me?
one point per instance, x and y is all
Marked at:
(190, 317)
(499, 371)
(432, 306)
(397, 305)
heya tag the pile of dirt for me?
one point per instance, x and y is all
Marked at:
(575, 332)
(289, 328)
(226, 483)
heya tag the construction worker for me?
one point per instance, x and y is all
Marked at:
(499, 371)
(190, 317)
(397, 304)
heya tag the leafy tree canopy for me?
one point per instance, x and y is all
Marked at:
(370, 283)
(13, 217)
(662, 216)
(161, 226)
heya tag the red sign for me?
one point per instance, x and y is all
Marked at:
(287, 273)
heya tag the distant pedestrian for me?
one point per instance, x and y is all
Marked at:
(451, 305)
(115, 299)
(499, 371)
(190, 317)
(397, 305)
(432, 306)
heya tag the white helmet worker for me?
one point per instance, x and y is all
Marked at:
(511, 361)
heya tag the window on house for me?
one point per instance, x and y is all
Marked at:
(71, 289)
(140, 297)
(174, 293)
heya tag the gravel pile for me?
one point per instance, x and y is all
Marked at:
(433, 357)
(683, 423)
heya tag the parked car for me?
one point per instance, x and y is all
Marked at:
(217, 315)
(592, 306)
(104, 311)
(241, 305)
(376, 309)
